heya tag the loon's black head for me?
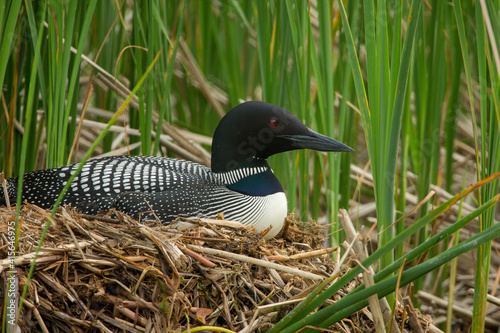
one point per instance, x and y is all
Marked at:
(252, 131)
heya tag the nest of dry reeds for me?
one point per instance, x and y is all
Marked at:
(101, 274)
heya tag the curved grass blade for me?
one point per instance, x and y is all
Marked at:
(356, 300)
(85, 158)
(307, 306)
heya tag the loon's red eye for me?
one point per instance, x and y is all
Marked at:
(274, 122)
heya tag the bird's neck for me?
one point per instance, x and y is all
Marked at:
(255, 179)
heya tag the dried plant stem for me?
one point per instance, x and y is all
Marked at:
(380, 310)
(255, 261)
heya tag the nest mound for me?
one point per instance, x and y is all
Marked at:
(117, 275)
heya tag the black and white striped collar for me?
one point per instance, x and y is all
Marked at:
(234, 176)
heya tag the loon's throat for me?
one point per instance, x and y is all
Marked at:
(253, 181)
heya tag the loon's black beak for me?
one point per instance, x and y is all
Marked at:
(315, 141)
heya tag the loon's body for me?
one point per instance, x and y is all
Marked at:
(240, 184)
(171, 187)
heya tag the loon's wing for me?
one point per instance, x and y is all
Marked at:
(119, 182)
(177, 200)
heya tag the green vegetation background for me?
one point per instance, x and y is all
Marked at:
(395, 80)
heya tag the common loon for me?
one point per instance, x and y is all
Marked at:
(240, 184)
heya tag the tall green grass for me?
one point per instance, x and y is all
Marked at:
(410, 68)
